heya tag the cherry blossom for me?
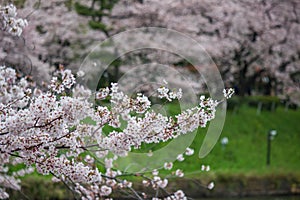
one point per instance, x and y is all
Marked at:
(59, 131)
(249, 41)
(168, 165)
(10, 23)
(189, 151)
(211, 185)
(46, 129)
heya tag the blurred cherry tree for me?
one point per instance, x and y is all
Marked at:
(255, 44)
(249, 41)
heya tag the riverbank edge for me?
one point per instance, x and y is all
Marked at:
(238, 185)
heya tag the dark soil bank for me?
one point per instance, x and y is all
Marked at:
(242, 186)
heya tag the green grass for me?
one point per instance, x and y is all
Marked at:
(246, 151)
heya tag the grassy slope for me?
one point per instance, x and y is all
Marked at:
(246, 150)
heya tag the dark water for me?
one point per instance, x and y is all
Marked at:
(256, 198)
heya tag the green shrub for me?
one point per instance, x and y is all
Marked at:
(269, 103)
(234, 103)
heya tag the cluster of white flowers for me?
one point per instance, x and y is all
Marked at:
(205, 168)
(10, 90)
(189, 151)
(102, 93)
(65, 81)
(228, 93)
(59, 132)
(156, 182)
(50, 130)
(9, 22)
(164, 92)
(179, 173)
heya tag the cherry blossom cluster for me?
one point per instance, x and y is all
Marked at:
(9, 21)
(164, 92)
(60, 132)
(228, 93)
(65, 81)
(156, 182)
